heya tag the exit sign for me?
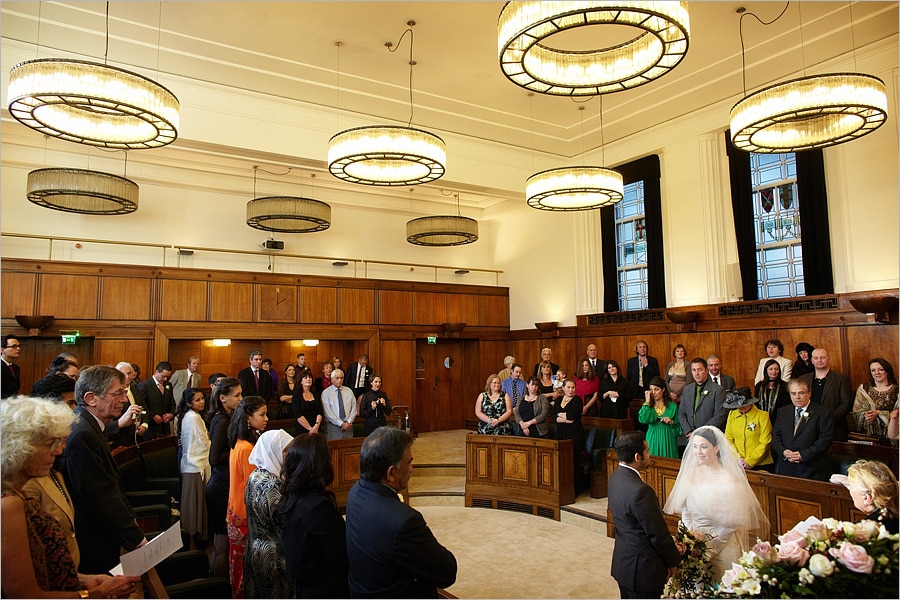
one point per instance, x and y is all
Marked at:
(70, 337)
(432, 339)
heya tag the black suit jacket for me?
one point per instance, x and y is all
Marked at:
(644, 548)
(104, 519)
(633, 377)
(156, 403)
(812, 440)
(837, 397)
(10, 381)
(248, 383)
(391, 550)
(351, 377)
(710, 411)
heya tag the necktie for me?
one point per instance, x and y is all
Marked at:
(360, 377)
(697, 390)
(716, 379)
(640, 374)
(341, 412)
(256, 375)
(130, 395)
(160, 386)
(515, 391)
(797, 419)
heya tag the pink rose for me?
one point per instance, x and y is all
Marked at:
(793, 537)
(854, 557)
(766, 553)
(794, 553)
(818, 532)
(867, 530)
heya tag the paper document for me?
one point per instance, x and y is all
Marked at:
(138, 562)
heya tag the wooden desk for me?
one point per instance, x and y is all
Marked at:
(521, 474)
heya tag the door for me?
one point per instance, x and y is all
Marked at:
(439, 404)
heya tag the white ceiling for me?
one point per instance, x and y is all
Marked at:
(288, 49)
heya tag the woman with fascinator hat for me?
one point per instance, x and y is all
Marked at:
(713, 497)
(749, 430)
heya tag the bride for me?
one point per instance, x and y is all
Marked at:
(713, 497)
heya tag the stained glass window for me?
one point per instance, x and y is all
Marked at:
(631, 248)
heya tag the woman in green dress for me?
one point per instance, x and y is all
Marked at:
(660, 415)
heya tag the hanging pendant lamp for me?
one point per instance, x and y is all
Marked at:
(442, 230)
(82, 191)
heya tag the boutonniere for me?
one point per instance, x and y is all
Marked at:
(705, 393)
(168, 387)
(805, 415)
(751, 426)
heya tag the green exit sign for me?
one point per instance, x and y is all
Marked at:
(70, 337)
(432, 339)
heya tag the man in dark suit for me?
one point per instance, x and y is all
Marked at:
(159, 402)
(391, 550)
(641, 369)
(714, 364)
(358, 376)
(10, 375)
(105, 520)
(645, 555)
(255, 381)
(597, 364)
(831, 390)
(122, 432)
(801, 435)
(702, 402)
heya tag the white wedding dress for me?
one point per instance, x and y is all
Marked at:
(705, 512)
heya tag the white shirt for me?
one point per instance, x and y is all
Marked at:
(330, 399)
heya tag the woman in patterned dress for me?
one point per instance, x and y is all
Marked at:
(493, 409)
(875, 400)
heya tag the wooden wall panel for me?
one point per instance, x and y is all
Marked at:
(276, 303)
(462, 308)
(492, 354)
(615, 347)
(183, 300)
(740, 352)
(357, 306)
(494, 311)
(398, 361)
(230, 301)
(112, 352)
(430, 308)
(125, 299)
(866, 343)
(18, 294)
(181, 350)
(318, 305)
(395, 307)
(826, 337)
(69, 296)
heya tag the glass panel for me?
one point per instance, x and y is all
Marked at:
(631, 248)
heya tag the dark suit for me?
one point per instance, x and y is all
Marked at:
(391, 550)
(10, 379)
(635, 390)
(726, 381)
(837, 397)
(104, 518)
(157, 403)
(599, 368)
(248, 383)
(644, 549)
(812, 440)
(710, 411)
(352, 375)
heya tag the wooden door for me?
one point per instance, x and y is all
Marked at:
(439, 404)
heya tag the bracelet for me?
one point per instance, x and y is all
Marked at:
(84, 594)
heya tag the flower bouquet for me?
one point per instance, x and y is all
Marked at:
(821, 559)
(694, 578)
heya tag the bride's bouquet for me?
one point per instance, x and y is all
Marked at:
(694, 578)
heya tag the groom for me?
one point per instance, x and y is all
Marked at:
(645, 555)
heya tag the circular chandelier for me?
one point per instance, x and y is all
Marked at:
(527, 60)
(94, 104)
(288, 214)
(82, 191)
(442, 230)
(574, 188)
(809, 112)
(386, 155)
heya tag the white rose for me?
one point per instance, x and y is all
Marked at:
(820, 566)
(849, 528)
(867, 530)
(830, 523)
(751, 586)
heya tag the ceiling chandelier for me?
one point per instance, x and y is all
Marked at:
(527, 59)
(388, 155)
(442, 230)
(287, 214)
(82, 191)
(808, 112)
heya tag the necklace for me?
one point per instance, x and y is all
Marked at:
(58, 486)
(660, 411)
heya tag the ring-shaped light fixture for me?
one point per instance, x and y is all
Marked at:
(574, 188)
(82, 191)
(386, 155)
(288, 214)
(527, 60)
(809, 112)
(442, 230)
(94, 104)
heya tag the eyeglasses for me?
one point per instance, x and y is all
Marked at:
(14, 346)
(119, 394)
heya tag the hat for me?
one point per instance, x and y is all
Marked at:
(738, 398)
(658, 382)
(804, 346)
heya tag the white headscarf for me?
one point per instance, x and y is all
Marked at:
(268, 452)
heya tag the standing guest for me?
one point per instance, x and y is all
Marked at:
(392, 553)
(247, 422)
(59, 359)
(493, 409)
(513, 388)
(254, 380)
(10, 374)
(213, 381)
(285, 391)
(195, 469)
(266, 365)
(678, 373)
(129, 434)
(264, 573)
(714, 364)
(36, 560)
(324, 382)
(374, 407)
(597, 364)
(749, 430)
(774, 349)
(338, 408)
(313, 532)
(137, 373)
(531, 413)
(358, 375)
(660, 414)
(546, 380)
(225, 398)
(613, 392)
(336, 362)
(189, 377)
(772, 391)
(306, 405)
(568, 427)
(803, 364)
(701, 401)
(873, 487)
(875, 400)
(160, 402)
(831, 390)
(801, 436)
(587, 387)
(644, 555)
(301, 362)
(508, 362)
(546, 353)
(64, 370)
(641, 369)
(105, 520)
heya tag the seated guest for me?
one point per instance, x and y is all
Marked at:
(313, 532)
(493, 409)
(613, 392)
(36, 560)
(532, 411)
(749, 430)
(772, 391)
(391, 551)
(65, 370)
(774, 349)
(374, 406)
(801, 435)
(873, 487)
(876, 399)
(508, 363)
(803, 364)
(660, 414)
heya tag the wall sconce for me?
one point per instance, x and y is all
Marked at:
(340, 263)
(686, 320)
(221, 342)
(311, 343)
(884, 308)
(551, 327)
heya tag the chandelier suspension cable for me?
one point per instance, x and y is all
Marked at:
(106, 49)
(412, 63)
(337, 111)
(745, 13)
(852, 35)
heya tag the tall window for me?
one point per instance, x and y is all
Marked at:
(631, 248)
(776, 220)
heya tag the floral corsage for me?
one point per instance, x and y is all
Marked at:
(751, 426)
